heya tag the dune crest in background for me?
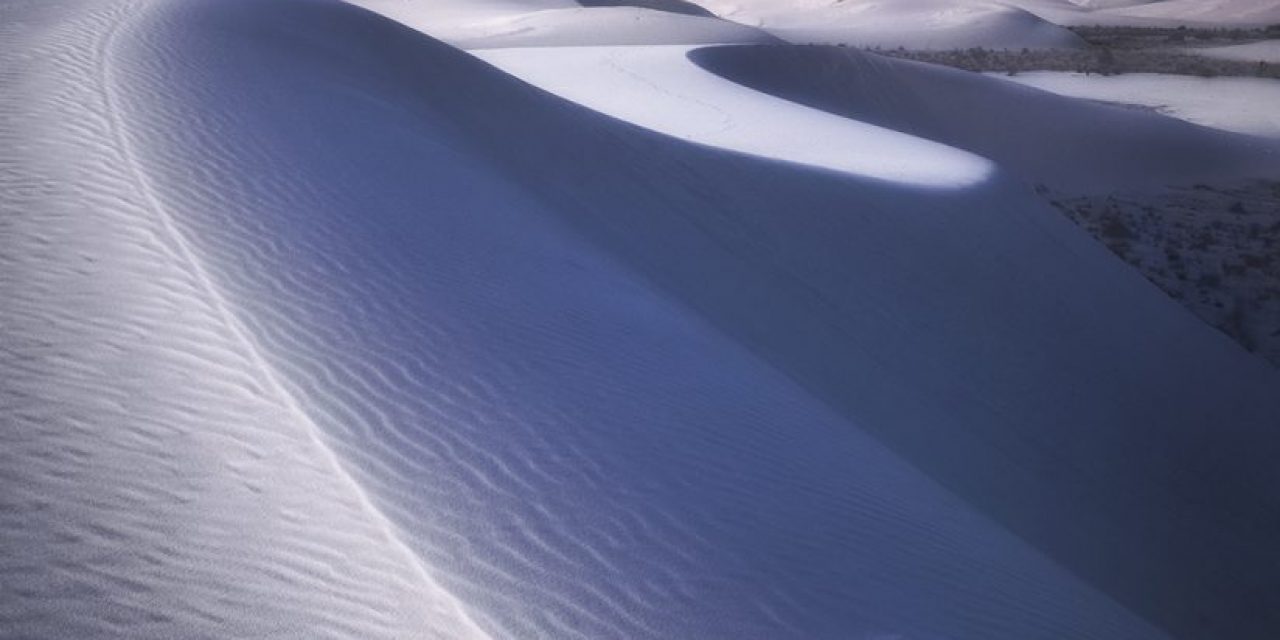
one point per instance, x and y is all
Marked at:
(489, 24)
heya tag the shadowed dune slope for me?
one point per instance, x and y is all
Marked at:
(1080, 382)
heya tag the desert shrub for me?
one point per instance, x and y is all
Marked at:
(1115, 228)
(1103, 61)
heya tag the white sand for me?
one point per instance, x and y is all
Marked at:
(1240, 105)
(316, 327)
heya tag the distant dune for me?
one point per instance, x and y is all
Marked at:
(917, 24)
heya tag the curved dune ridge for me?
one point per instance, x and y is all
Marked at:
(318, 327)
(915, 24)
(487, 24)
(657, 87)
(1039, 137)
(671, 6)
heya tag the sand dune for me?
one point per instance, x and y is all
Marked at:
(158, 480)
(488, 24)
(316, 326)
(659, 88)
(1240, 105)
(1203, 12)
(806, 354)
(946, 24)
(1264, 51)
(570, 449)
(1154, 13)
(1085, 147)
(917, 24)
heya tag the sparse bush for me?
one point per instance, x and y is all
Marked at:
(1252, 261)
(1104, 60)
(1115, 228)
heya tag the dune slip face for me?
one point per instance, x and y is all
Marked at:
(315, 326)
